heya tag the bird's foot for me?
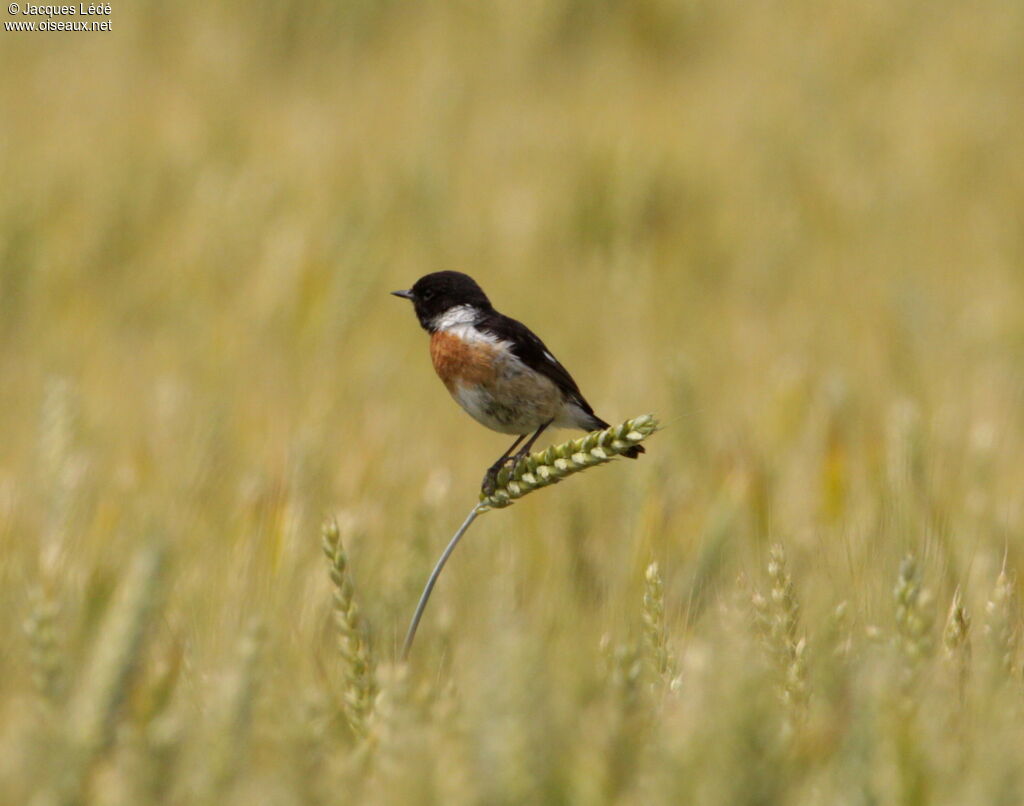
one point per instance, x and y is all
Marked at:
(490, 482)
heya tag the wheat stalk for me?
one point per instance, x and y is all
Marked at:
(41, 629)
(541, 469)
(549, 467)
(655, 631)
(107, 678)
(778, 619)
(956, 637)
(1001, 623)
(353, 639)
(914, 616)
(235, 703)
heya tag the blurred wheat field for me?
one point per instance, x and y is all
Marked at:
(792, 231)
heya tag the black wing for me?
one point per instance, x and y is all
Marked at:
(529, 349)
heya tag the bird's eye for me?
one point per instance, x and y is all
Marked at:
(428, 294)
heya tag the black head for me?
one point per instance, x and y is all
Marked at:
(436, 293)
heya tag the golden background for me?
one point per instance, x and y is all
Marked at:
(791, 230)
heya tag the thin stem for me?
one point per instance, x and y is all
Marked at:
(541, 470)
(478, 509)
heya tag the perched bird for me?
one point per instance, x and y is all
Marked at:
(496, 368)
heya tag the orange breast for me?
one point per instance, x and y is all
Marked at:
(460, 362)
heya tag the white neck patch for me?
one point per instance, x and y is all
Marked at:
(455, 316)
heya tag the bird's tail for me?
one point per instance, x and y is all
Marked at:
(632, 452)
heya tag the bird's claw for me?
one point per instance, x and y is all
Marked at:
(490, 482)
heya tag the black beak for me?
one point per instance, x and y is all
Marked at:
(403, 294)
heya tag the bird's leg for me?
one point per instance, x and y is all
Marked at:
(525, 450)
(492, 472)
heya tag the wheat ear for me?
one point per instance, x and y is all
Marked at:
(655, 630)
(538, 470)
(778, 619)
(551, 466)
(107, 678)
(353, 635)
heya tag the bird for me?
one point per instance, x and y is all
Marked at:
(496, 368)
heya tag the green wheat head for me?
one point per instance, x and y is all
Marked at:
(541, 470)
(550, 466)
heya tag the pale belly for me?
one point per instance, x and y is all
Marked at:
(506, 395)
(511, 405)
